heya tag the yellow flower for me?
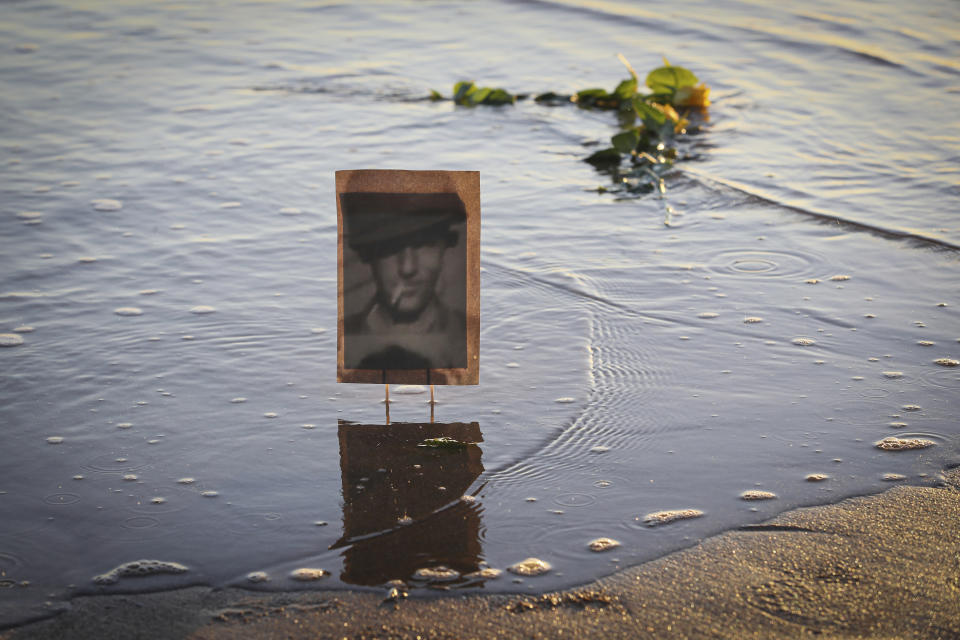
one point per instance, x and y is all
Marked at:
(698, 96)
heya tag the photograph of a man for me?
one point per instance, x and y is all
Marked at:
(405, 303)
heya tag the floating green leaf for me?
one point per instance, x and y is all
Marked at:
(467, 94)
(669, 78)
(626, 141)
(626, 89)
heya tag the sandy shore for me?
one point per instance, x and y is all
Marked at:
(883, 566)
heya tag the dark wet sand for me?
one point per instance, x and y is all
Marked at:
(883, 566)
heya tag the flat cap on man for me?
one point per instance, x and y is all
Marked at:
(381, 219)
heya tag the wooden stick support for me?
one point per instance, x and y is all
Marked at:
(432, 400)
(386, 390)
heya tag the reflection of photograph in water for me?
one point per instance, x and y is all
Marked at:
(401, 502)
(404, 271)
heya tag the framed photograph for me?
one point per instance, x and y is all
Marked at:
(408, 277)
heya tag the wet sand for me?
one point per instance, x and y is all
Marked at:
(882, 566)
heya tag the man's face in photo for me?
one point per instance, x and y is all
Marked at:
(406, 279)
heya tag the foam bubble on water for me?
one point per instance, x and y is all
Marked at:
(308, 574)
(139, 568)
(270, 414)
(757, 494)
(926, 343)
(670, 515)
(131, 477)
(530, 567)
(812, 281)
(128, 311)
(839, 278)
(148, 292)
(24, 328)
(106, 204)
(158, 500)
(893, 375)
(803, 342)
(409, 389)
(893, 477)
(202, 309)
(512, 365)
(708, 315)
(308, 426)
(912, 407)
(238, 400)
(752, 320)
(946, 362)
(290, 211)
(78, 477)
(602, 544)
(124, 425)
(54, 439)
(892, 443)
(817, 477)
(898, 425)
(565, 400)
(27, 216)
(439, 573)
(186, 480)
(487, 573)
(10, 340)
(599, 449)
(318, 330)
(230, 205)
(209, 493)
(86, 259)
(257, 576)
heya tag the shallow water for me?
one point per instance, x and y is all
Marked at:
(177, 316)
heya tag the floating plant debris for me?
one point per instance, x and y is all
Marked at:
(757, 494)
(10, 340)
(139, 568)
(665, 517)
(946, 362)
(892, 443)
(444, 442)
(649, 122)
(602, 544)
(530, 567)
(128, 311)
(839, 278)
(54, 440)
(257, 576)
(308, 574)
(817, 477)
(893, 374)
(804, 342)
(752, 320)
(893, 477)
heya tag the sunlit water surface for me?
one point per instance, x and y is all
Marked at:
(168, 291)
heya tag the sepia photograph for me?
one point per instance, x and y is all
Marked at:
(406, 290)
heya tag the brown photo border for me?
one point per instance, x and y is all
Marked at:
(465, 184)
